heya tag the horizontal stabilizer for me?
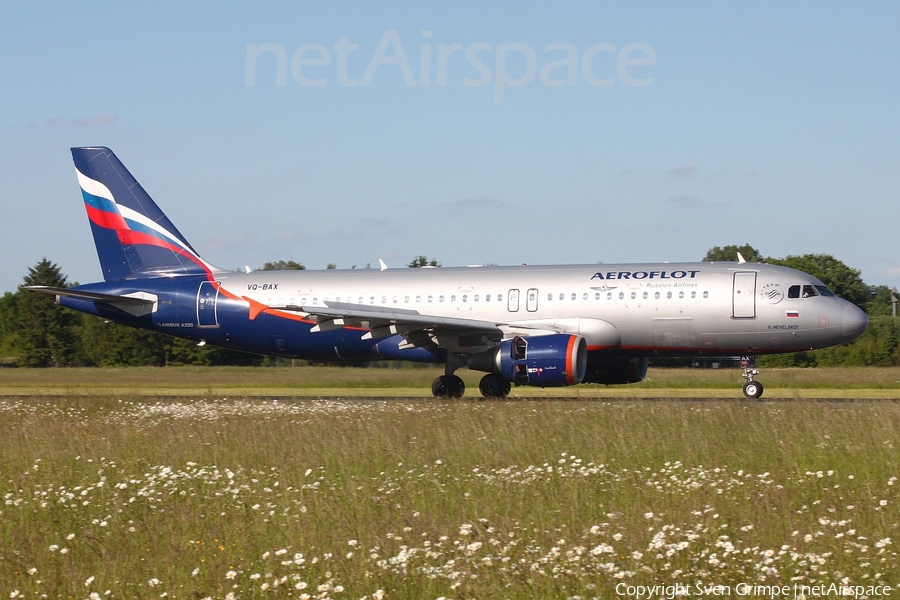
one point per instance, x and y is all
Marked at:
(135, 303)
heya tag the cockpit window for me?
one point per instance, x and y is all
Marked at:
(794, 291)
(824, 290)
(809, 291)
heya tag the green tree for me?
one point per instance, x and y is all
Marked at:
(7, 335)
(879, 302)
(283, 265)
(730, 253)
(106, 344)
(44, 333)
(423, 261)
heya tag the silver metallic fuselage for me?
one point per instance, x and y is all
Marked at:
(635, 309)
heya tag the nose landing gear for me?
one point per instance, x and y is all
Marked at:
(752, 389)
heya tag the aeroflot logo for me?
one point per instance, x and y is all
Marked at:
(475, 65)
(646, 275)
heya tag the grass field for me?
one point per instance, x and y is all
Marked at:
(416, 382)
(142, 496)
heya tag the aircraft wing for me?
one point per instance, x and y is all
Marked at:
(449, 333)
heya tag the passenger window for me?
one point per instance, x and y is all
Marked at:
(646, 295)
(562, 296)
(621, 295)
(633, 295)
(550, 296)
(573, 296)
(794, 291)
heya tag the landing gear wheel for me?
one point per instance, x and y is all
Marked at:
(753, 389)
(448, 386)
(494, 386)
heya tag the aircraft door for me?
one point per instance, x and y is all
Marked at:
(744, 295)
(531, 301)
(207, 296)
(513, 301)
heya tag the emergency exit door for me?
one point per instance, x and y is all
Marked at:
(744, 296)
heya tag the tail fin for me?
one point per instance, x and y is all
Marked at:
(133, 237)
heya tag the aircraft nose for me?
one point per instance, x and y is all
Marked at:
(853, 320)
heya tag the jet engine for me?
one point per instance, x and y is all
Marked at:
(543, 361)
(616, 370)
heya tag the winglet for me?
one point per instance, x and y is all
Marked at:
(383, 266)
(741, 259)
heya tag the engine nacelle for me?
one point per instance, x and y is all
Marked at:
(616, 370)
(544, 361)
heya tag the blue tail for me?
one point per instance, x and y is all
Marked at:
(134, 239)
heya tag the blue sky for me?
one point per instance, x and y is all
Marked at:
(773, 124)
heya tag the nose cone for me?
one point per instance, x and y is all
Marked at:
(853, 321)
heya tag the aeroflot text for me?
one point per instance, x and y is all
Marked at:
(645, 275)
(514, 65)
(670, 592)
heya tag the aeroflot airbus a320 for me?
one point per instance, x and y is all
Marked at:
(525, 325)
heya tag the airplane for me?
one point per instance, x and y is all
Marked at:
(541, 326)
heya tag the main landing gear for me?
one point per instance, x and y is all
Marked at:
(494, 386)
(452, 386)
(449, 385)
(752, 389)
